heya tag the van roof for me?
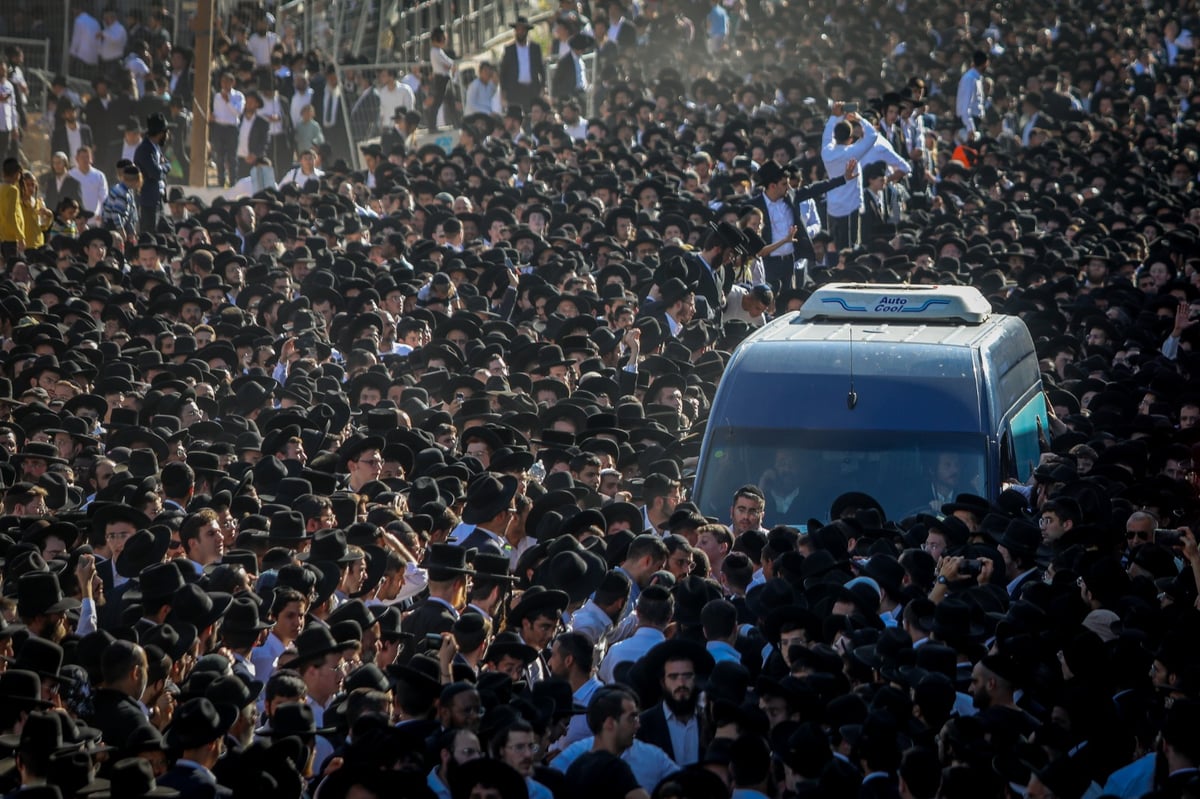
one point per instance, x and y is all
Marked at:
(896, 304)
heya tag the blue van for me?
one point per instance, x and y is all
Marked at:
(912, 394)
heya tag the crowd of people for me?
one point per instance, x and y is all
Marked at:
(375, 482)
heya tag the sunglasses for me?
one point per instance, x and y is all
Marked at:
(1129, 534)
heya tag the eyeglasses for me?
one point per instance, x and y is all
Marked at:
(532, 748)
(372, 461)
(470, 751)
(175, 544)
(1045, 521)
(1142, 534)
(117, 536)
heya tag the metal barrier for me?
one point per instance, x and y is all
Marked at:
(37, 57)
(589, 66)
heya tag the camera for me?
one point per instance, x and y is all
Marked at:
(850, 108)
(433, 640)
(1168, 538)
(460, 398)
(970, 568)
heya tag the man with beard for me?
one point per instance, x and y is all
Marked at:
(42, 607)
(993, 687)
(456, 747)
(673, 725)
(571, 659)
(613, 719)
(517, 746)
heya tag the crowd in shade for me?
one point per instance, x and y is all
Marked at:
(378, 482)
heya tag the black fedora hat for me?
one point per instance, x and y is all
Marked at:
(197, 607)
(443, 561)
(132, 778)
(21, 688)
(293, 718)
(330, 546)
(509, 644)
(198, 722)
(143, 549)
(421, 673)
(44, 658)
(242, 617)
(287, 527)
(160, 580)
(538, 600)
(316, 642)
(487, 496)
(1021, 537)
(39, 593)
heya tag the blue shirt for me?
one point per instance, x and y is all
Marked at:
(718, 21)
(650, 765)
(722, 651)
(632, 648)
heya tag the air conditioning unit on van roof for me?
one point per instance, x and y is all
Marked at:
(898, 304)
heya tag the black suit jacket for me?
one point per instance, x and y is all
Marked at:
(480, 540)
(510, 69)
(53, 194)
(58, 139)
(802, 246)
(117, 715)
(653, 730)
(565, 79)
(260, 136)
(428, 618)
(879, 788)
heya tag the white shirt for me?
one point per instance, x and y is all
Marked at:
(578, 131)
(442, 63)
(264, 657)
(84, 44)
(685, 737)
(524, 75)
(970, 104)
(93, 188)
(734, 309)
(581, 82)
(399, 95)
(631, 649)
(577, 729)
(228, 112)
(273, 107)
(112, 46)
(74, 139)
(322, 745)
(260, 47)
(332, 105)
(8, 106)
(299, 100)
(781, 220)
(243, 148)
(847, 198)
(297, 175)
(650, 765)
(884, 151)
(591, 621)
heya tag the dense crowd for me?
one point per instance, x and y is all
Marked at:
(375, 482)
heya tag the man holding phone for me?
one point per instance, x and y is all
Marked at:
(844, 204)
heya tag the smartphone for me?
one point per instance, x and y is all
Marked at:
(1168, 538)
(460, 398)
(850, 108)
(433, 640)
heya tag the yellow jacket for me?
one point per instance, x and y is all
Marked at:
(31, 225)
(12, 218)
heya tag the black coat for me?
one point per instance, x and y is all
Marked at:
(58, 140)
(480, 541)
(653, 730)
(510, 70)
(117, 715)
(428, 618)
(565, 79)
(53, 194)
(260, 136)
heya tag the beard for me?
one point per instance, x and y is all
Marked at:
(981, 701)
(682, 708)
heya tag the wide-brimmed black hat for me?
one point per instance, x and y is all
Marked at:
(197, 607)
(44, 658)
(287, 527)
(1021, 537)
(509, 644)
(198, 722)
(21, 688)
(487, 496)
(537, 601)
(293, 718)
(421, 673)
(330, 546)
(492, 567)
(242, 617)
(443, 561)
(316, 642)
(143, 549)
(131, 778)
(39, 593)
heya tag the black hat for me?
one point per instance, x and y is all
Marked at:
(490, 773)
(44, 658)
(443, 561)
(242, 617)
(198, 722)
(535, 601)
(509, 644)
(330, 546)
(133, 778)
(144, 549)
(1021, 537)
(21, 688)
(487, 496)
(197, 607)
(39, 593)
(316, 642)
(293, 718)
